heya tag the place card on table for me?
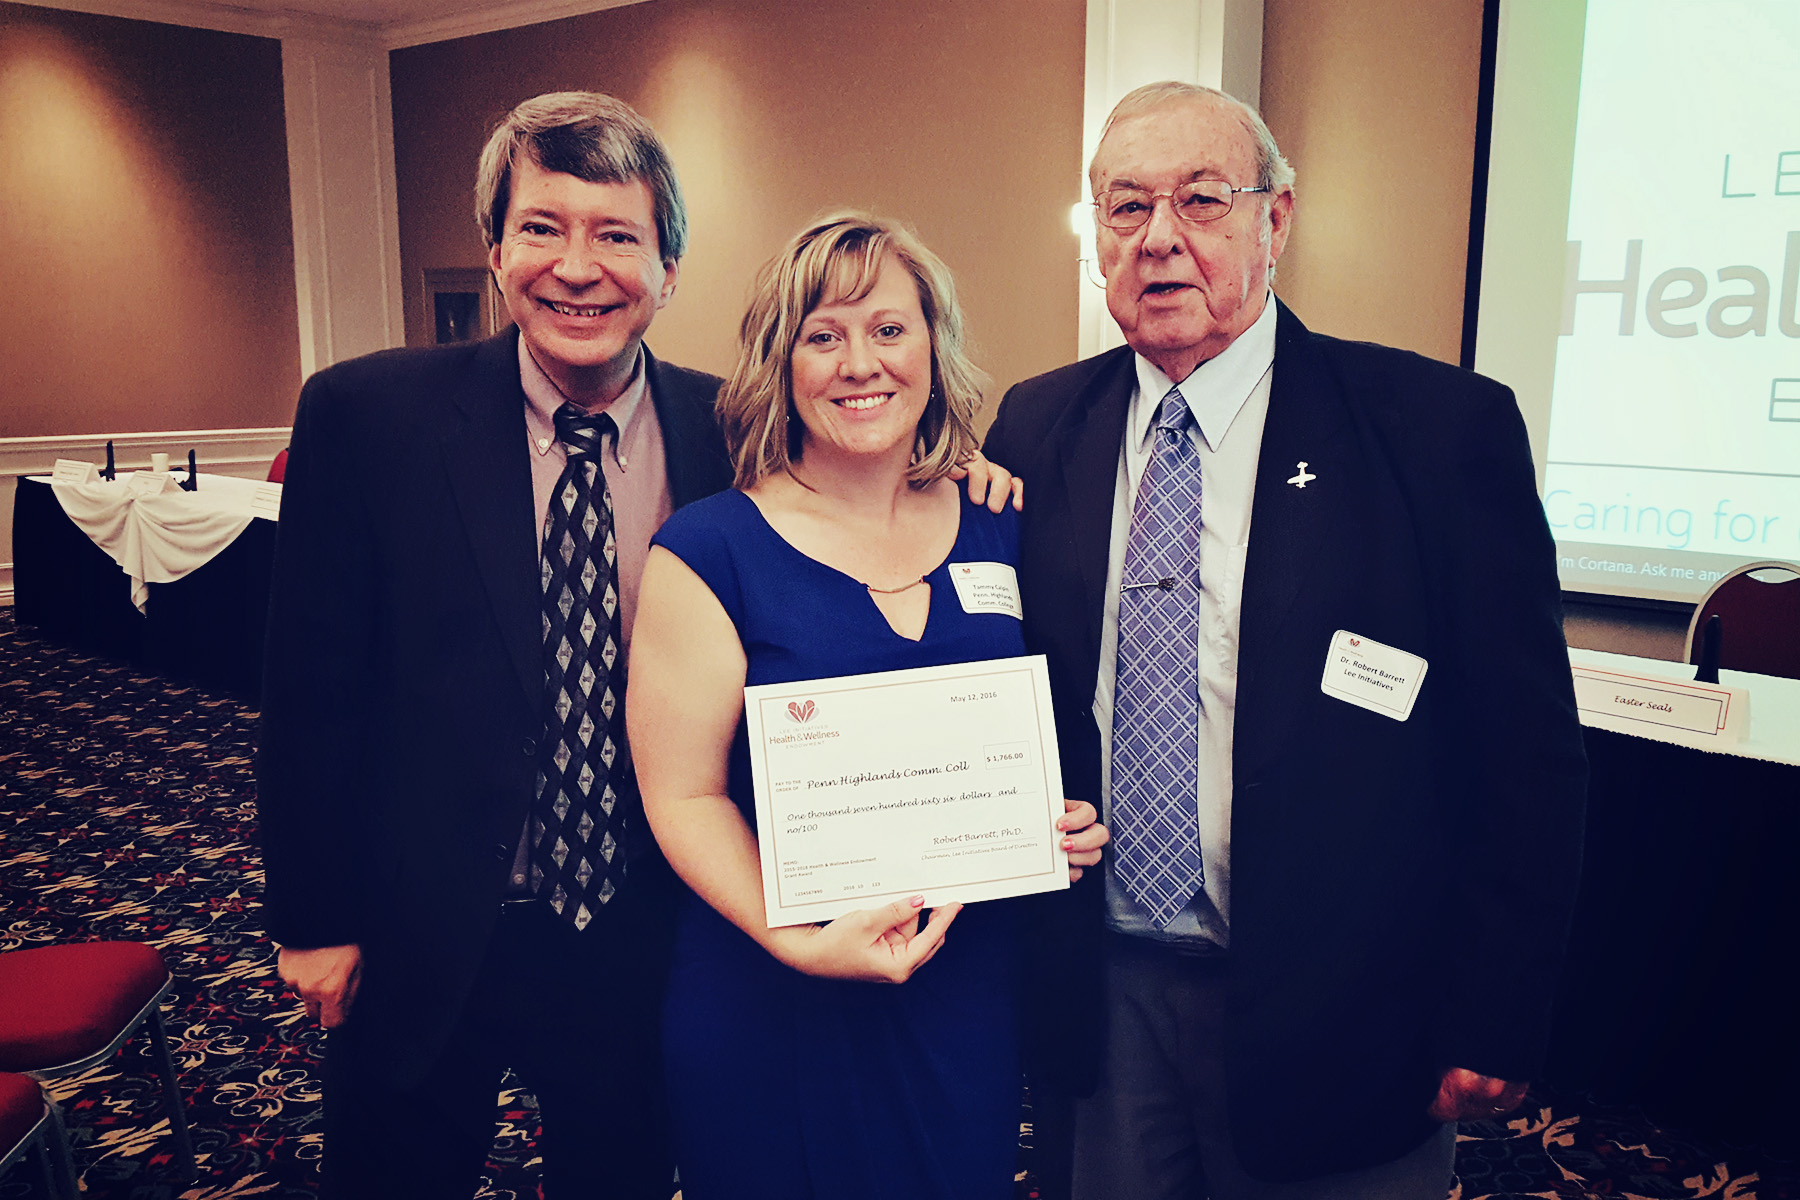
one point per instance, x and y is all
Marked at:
(1701, 714)
(74, 470)
(143, 484)
(265, 501)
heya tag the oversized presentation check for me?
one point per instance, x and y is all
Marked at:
(940, 781)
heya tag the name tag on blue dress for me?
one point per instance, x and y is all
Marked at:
(987, 587)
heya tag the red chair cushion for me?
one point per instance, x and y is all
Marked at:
(21, 1107)
(63, 1003)
(278, 468)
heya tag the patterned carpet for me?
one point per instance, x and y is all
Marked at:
(127, 811)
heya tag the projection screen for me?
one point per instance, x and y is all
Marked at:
(1638, 280)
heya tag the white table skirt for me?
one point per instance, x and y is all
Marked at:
(160, 538)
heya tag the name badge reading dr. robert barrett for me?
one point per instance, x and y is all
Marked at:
(987, 587)
(1363, 672)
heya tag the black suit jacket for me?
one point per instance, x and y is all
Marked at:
(1400, 890)
(404, 688)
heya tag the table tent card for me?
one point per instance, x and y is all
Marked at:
(1707, 716)
(266, 501)
(74, 470)
(140, 484)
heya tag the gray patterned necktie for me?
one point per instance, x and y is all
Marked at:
(1156, 704)
(578, 818)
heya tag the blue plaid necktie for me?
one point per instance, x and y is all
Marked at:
(578, 818)
(1156, 704)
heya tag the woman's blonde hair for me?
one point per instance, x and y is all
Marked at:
(839, 258)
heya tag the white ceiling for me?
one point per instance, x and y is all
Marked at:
(390, 23)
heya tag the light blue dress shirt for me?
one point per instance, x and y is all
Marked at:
(1229, 397)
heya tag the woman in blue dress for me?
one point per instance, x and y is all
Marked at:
(875, 1056)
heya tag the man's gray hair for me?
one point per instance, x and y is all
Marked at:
(590, 136)
(1272, 169)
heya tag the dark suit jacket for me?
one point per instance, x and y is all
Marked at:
(404, 687)
(1400, 890)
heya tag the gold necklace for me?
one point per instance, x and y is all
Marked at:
(905, 587)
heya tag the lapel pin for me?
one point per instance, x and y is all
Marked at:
(1302, 479)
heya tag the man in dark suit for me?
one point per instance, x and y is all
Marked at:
(459, 874)
(1302, 619)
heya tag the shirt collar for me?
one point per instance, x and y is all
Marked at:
(543, 398)
(1216, 391)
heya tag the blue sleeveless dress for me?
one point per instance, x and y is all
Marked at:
(789, 1087)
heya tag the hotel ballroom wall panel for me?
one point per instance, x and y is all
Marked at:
(1374, 103)
(146, 245)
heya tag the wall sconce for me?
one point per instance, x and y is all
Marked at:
(1081, 221)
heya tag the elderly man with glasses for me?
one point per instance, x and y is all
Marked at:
(1302, 617)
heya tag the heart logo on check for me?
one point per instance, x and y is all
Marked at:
(800, 713)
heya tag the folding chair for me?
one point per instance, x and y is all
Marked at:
(1758, 606)
(65, 1008)
(30, 1124)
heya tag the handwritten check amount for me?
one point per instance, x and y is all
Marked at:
(941, 781)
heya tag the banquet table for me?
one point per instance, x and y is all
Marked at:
(1679, 991)
(204, 626)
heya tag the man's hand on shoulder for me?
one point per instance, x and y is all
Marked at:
(990, 483)
(326, 978)
(1467, 1096)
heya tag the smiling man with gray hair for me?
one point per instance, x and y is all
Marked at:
(1302, 617)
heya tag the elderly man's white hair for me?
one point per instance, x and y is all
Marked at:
(1272, 169)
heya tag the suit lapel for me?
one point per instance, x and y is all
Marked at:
(1308, 423)
(490, 476)
(1086, 450)
(694, 452)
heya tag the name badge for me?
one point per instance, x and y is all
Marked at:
(987, 587)
(1363, 672)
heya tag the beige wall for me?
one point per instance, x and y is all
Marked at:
(1374, 103)
(961, 117)
(146, 246)
(146, 266)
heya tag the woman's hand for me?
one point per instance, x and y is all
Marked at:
(877, 945)
(990, 483)
(1085, 835)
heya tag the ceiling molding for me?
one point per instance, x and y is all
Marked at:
(275, 20)
(271, 21)
(490, 19)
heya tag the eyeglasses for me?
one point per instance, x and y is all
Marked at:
(1200, 201)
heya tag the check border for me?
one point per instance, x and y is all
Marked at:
(763, 701)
